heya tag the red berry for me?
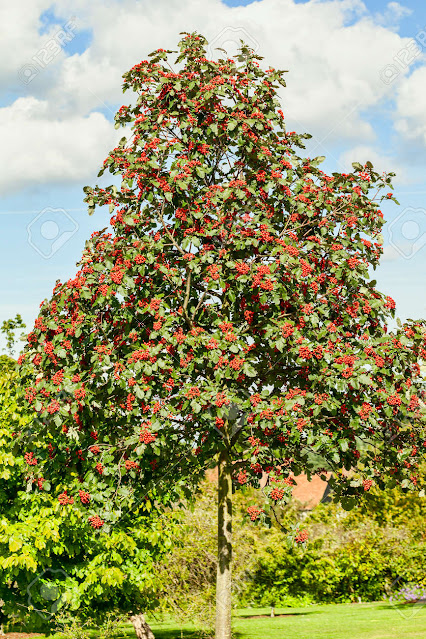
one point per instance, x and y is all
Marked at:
(64, 499)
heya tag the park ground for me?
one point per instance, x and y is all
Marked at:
(342, 621)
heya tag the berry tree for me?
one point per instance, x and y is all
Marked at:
(228, 318)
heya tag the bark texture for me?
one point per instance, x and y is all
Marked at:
(142, 630)
(224, 521)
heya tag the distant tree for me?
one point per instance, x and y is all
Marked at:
(8, 328)
(229, 319)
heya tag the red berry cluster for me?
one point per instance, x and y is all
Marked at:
(84, 496)
(367, 484)
(96, 522)
(301, 423)
(30, 459)
(242, 477)
(254, 512)
(146, 436)
(129, 464)
(94, 450)
(365, 410)
(301, 537)
(394, 400)
(277, 494)
(64, 499)
(192, 392)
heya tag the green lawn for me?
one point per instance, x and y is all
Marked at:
(344, 621)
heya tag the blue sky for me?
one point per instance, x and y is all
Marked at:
(356, 82)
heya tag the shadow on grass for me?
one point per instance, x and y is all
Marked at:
(169, 633)
(277, 614)
(179, 634)
(185, 633)
(404, 605)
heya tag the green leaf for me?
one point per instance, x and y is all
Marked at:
(348, 503)
(344, 444)
(249, 370)
(15, 544)
(196, 406)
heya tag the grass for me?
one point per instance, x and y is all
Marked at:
(340, 621)
(345, 621)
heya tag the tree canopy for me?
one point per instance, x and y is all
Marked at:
(228, 316)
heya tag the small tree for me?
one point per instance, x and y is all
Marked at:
(229, 319)
(9, 327)
(51, 561)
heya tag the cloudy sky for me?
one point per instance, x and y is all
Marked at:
(356, 82)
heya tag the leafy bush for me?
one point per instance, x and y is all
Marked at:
(365, 565)
(352, 555)
(349, 555)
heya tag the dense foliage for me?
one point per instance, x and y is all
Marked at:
(349, 557)
(9, 328)
(365, 554)
(231, 309)
(51, 562)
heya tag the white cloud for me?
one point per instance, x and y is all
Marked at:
(38, 147)
(334, 66)
(21, 41)
(411, 106)
(381, 163)
(124, 33)
(334, 69)
(390, 254)
(334, 50)
(393, 13)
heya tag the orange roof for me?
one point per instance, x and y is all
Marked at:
(308, 493)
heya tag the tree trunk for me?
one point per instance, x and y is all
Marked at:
(224, 535)
(142, 630)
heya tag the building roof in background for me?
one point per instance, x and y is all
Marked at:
(308, 493)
